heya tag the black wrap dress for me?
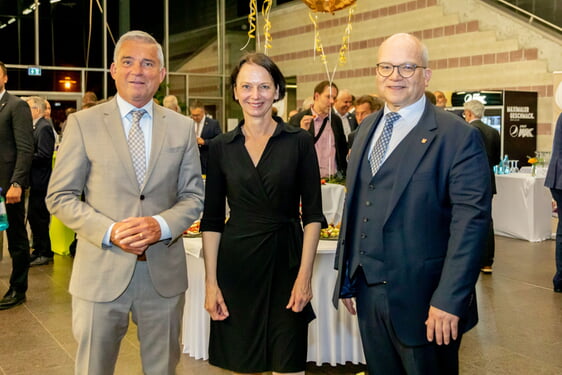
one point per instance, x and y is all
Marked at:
(260, 248)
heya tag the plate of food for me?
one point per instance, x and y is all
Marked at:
(193, 230)
(330, 233)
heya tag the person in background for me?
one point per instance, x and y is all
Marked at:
(292, 113)
(37, 214)
(136, 163)
(473, 113)
(206, 130)
(441, 99)
(307, 103)
(16, 155)
(364, 106)
(553, 181)
(47, 114)
(429, 95)
(89, 99)
(67, 113)
(415, 221)
(264, 168)
(171, 102)
(326, 127)
(342, 105)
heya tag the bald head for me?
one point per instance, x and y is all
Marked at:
(406, 52)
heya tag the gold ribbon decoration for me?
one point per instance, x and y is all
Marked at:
(345, 39)
(251, 22)
(344, 49)
(328, 6)
(265, 9)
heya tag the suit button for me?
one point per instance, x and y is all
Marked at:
(365, 219)
(362, 252)
(142, 197)
(363, 235)
(368, 203)
(371, 187)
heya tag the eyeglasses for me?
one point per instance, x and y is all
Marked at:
(405, 70)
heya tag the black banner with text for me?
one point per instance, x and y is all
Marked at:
(520, 125)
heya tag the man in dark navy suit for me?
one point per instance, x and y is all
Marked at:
(554, 182)
(16, 153)
(415, 222)
(206, 129)
(342, 106)
(473, 112)
(41, 168)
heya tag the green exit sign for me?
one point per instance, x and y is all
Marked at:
(34, 71)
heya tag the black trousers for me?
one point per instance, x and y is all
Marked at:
(490, 249)
(384, 352)
(39, 219)
(18, 245)
(557, 279)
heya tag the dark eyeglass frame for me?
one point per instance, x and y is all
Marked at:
(400, 69)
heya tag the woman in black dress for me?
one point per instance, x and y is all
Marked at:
(259, 264)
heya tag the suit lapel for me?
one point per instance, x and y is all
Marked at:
(417, 144)
(114, 128)
(361, 142)
(4, 101)
(159, 129)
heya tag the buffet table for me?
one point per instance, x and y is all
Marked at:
(333, 337)
(333, 197)
(522, 207)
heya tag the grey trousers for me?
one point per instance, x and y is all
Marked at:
(99, 327)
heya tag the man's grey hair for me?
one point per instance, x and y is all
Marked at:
(476, 107)
(37, 102)
(140, 36)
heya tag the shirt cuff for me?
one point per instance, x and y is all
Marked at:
(106, 242)
(165, 231)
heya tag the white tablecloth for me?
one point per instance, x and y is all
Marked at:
(522, 208)
(333, 337)
(333, 197)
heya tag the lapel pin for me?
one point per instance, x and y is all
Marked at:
(424, 140)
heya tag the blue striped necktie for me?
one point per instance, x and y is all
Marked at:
(379, 150)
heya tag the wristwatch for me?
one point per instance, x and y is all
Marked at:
(16, 185)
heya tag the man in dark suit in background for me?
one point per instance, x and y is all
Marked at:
(16, 154)
(330, 141)
(415, 222)
(553, 181)
(473, 112)
(41, 167)
(206, 129)
(342, 105)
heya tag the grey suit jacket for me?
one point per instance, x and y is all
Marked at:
(94, 158)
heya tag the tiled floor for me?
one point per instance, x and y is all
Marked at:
(520, 329)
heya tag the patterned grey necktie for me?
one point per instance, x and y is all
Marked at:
(136, 145)
(379, 150)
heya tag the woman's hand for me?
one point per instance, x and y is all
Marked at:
(214, 302)
(300, 295)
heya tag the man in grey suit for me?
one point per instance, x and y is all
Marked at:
(16, 154)
(138, 201)
(415, 222)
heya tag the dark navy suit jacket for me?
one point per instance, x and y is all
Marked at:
(435, 225)
(42, 164)
(554, 174)
(211, 129)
